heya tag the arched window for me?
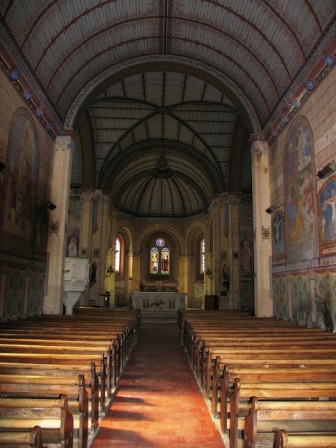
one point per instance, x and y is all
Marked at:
(117, 255)
(201, 266)
(159, 258)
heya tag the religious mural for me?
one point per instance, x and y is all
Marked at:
(278, 235)
(327, 217)
(300, 192)
(21, 180)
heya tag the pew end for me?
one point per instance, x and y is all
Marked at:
(51, 414)
(21, 438)
(283, 439)
(300, 417)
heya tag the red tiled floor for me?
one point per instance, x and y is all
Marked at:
(158, 402)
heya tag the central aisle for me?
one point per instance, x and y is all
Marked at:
(158, 402)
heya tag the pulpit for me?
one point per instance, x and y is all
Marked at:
(76, 277)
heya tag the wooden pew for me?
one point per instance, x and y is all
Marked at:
(69, 343)
(66, 348)
(30, 386)
(91, 384)
(243, 392)
(285, 355)
(207, 352)
(115, 343)
(284, 439)
(51, 414)
(56, 361)
(269, 373)
(303, 416)
(57, 343)
(257, 345)
(22, 437)
(216, 326)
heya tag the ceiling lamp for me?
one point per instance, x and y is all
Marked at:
(162, 170)
(272, 208)
(327, 170)
(40, 112)
(27, 95)
(329, 60)
(14, 74)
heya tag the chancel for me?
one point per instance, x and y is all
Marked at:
(167, 195)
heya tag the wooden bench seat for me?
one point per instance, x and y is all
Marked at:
(67, 349)
(284, 439)
(97, 364)
(202, 345)
(276, 358)
(51, 414)
(232, 328)
(61, 346)
(242, 393)
(266, 416)
(115, 356)
(116, 343)
(33, 386)
(283, 355)
(284, 374)
(21, 437)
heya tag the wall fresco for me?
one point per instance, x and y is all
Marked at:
(21, 171)
(300, 202)
(327, 217)
(278, 235)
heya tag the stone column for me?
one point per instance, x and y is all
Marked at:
(104, 241)
(136, 272)
(86, 224)
(226, 262)
(220, 248)
(208, 256)
(233, 250)
(261, 227)
(183, 273)
(129, 274)
(60, 186)
(109, 244)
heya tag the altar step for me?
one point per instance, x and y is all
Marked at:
(158, 315)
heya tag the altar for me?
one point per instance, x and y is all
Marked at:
(159, 303)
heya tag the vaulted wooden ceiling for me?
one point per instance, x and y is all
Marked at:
(164, 94)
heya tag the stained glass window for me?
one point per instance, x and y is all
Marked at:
(165, 261)
(117, 255)
(159, 258)
(202, 256)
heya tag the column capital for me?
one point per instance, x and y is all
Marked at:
(255, 138)
(258, 146)
(70, 133)
(87, 194)
(64, 142)
(234, 198)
